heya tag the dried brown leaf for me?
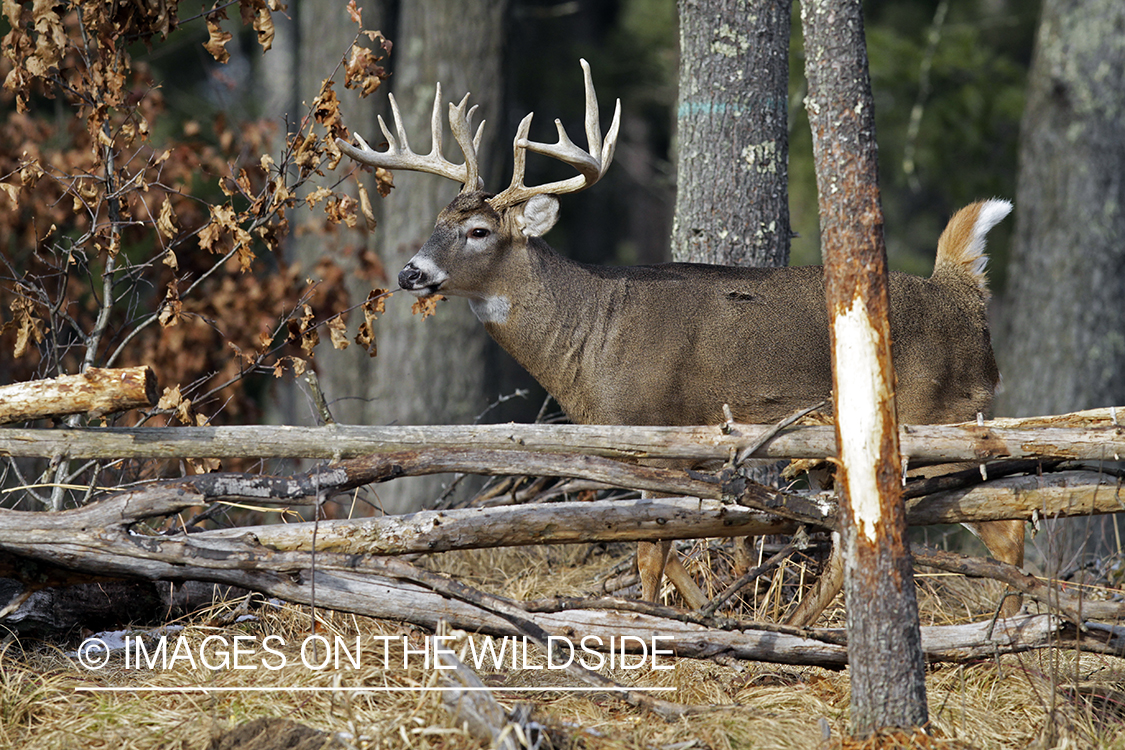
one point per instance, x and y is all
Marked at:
(318, 195)
(166, 221)
(365, 207)
(170, 399)
(306, 337)
(172, 309)
(362, 71)
(384, 181)
(373, 306)
(28, 327)
(341, 209)
(326, 110)
(338, 332)
(248, 358)
(427, 306)
(184, 412)
(263, 24)
(12, 191)
(365, 337)
(377, 300)
(216, 41)
(223, 221)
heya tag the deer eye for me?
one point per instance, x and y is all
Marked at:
(479, 232)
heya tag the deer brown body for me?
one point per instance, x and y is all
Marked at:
(672, 344)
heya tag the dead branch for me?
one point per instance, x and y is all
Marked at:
(95, 392)
(1050, 593)
(103, 539)
(760, 511)
(509, 526)
(1059, 495)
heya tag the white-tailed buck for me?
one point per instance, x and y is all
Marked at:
(670, 344)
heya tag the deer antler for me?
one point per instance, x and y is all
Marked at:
(399, 156)
(591, 164)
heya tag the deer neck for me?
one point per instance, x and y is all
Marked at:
(550, 318)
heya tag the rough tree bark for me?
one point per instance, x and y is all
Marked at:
(885, 652)
(433, 371)
(732, 145)
(1061, 344)
(732, 200)
(427, 371)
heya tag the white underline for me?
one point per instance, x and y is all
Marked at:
(200, 689)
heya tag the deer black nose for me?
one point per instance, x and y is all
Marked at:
(410, 277)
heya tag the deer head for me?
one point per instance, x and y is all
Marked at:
(475, 233)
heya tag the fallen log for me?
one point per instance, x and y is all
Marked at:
(96, 392)
(756, 510)
(1063, 495)
(1096, 436)
(104, 538)
(393, 590)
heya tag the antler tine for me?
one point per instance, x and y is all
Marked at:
(400, 132)
(436, 125)
(478, 136)
(399, 156)
(591, 164)
(593, 127)
(460, 124)
(516, 191)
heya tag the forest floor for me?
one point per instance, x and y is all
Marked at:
(1053, 698)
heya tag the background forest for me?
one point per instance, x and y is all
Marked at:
(170, 193)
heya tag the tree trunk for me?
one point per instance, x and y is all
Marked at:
(428, 371)
(1061, 346)
(732, 146)
(884, 641)
(432, 371)
(732, 128)
(308, 45)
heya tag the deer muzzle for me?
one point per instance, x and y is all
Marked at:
(421, 278)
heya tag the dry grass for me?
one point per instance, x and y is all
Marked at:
(1046, 700)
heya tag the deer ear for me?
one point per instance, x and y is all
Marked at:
(539, 214)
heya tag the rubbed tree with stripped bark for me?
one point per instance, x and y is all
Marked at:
(884, 640)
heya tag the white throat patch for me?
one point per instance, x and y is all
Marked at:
(491, 309)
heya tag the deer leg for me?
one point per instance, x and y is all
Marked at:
(1004, 540)
(657, 559)
(825, 589)
(684, 583)
(652, 557)
(743, 555)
